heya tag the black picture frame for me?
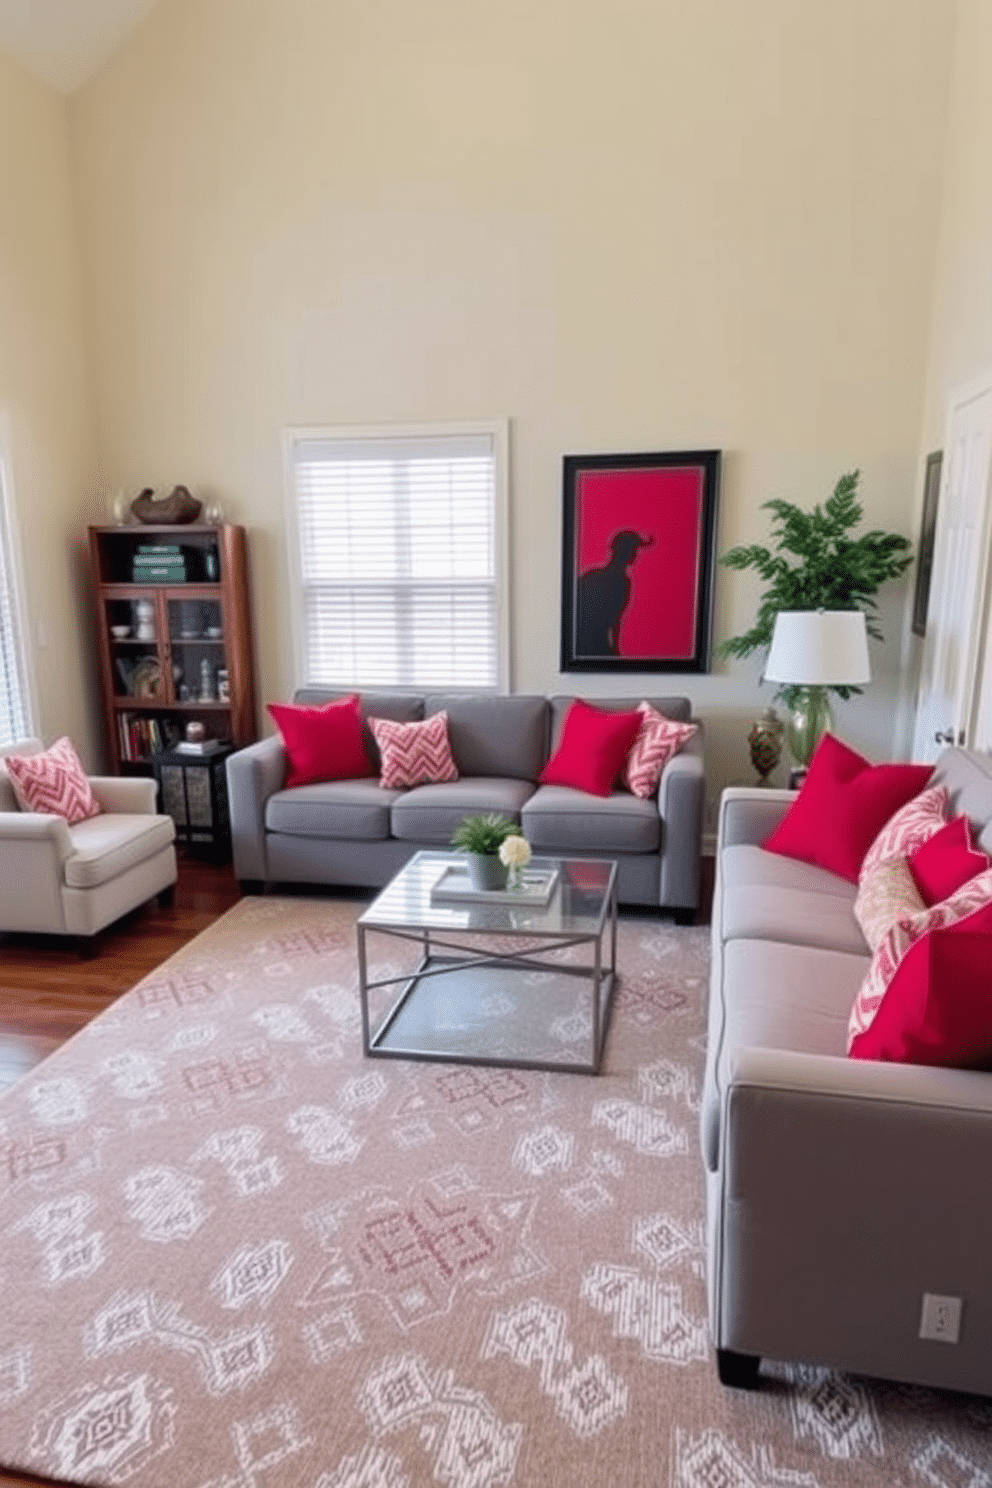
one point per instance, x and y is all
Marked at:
(928, 532)
(638, 552)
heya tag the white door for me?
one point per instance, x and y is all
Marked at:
(953, 650)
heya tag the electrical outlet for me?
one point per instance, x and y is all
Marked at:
(940, 1318)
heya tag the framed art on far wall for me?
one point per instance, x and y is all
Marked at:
(924, 554)
(638, 537)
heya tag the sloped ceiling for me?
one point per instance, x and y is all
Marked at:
(64, 42)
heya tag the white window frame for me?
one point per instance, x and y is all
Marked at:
(12, 600)
(495, 429)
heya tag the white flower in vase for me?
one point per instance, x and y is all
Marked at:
(514, 853)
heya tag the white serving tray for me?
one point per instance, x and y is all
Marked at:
(456, 887)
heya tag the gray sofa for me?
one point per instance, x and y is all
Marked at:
(838, 1190)
(353, 832)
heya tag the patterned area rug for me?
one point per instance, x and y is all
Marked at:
(236, 1254)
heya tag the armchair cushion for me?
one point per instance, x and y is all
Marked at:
(106, 846)
(53, 782)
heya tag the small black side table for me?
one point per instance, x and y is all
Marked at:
(193, 791)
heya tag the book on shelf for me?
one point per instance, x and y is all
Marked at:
(140, 737)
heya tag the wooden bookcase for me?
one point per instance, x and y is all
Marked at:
(175, 648)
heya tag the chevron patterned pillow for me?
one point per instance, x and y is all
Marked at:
(53, 782)
(414, 753)
(903, 833)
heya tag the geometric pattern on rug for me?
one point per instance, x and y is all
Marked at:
(237, 1254)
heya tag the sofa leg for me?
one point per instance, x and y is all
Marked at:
(740, 1371)
(167, 898)
(87, 946)
(251, 885)
(684, 916)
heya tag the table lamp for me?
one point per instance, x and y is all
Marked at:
(812, 650)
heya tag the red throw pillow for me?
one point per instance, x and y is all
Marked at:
(323, 743)
(844, 803)
(592, 749)
(946, 861)
(938, 1007)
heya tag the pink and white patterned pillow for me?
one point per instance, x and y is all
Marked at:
(53, 782)
(658, 738)
(884, 897)
(414, 753)
(973, 895)
(907, 829)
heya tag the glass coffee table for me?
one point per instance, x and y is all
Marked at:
(483, 979)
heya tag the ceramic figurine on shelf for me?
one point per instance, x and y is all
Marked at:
(207, 694)
(144, 619)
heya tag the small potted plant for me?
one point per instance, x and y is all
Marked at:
(481, 838)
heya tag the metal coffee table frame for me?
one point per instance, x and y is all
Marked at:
(582, 911)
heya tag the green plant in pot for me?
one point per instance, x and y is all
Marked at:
(481, 838)
(817, 564)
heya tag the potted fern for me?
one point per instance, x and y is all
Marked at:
(816, 563)
(481, 838)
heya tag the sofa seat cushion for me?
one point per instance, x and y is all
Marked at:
(777, 996)
(354, 809)
(430, 813)
(105, 846)
(792, 917)
(560, 819)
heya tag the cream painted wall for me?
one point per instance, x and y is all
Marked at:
(625, 224)
(46, 426)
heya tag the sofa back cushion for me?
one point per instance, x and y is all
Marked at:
(968, 777)
(400, 707)
(502, 736)
(677, 708)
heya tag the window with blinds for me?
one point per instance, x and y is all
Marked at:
(15, 703)
(400, 556)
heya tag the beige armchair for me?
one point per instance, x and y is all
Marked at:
(57, 879)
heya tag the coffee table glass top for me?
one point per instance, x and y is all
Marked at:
(577, 906)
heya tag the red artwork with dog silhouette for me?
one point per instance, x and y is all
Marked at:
(638, 557)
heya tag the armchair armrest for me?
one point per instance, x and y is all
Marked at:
(127, 795)
(850, 1188)
(33, 849)
(253, 775)
(681, 805)
(748, 813)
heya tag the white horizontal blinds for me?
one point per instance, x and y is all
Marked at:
(15, 721)
(397, 539)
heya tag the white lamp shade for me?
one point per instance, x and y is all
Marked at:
(819, 648)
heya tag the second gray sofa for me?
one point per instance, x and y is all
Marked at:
(353, 832)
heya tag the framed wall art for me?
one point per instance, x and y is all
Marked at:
(638, 546)
(928, 532)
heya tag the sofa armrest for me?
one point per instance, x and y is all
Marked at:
(681, 805)
(850, 1188)
(748, 813)
(126, 795)
(38, 828)
(253, 775)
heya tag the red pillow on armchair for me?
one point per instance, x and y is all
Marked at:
(844, 803)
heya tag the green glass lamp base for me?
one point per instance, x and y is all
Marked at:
(810, 719)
